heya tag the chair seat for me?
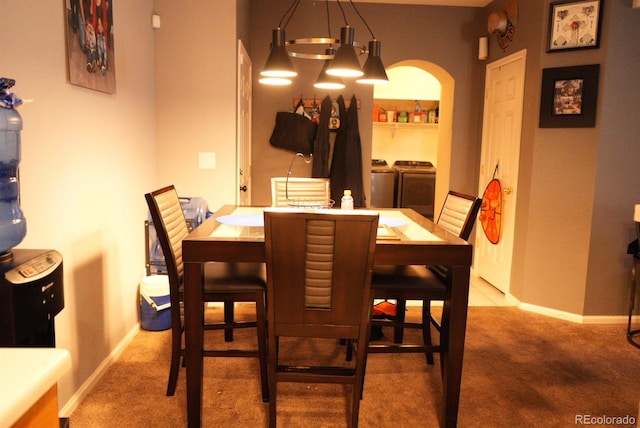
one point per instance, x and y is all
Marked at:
(402, 283)
(409, 282)
(231, 277)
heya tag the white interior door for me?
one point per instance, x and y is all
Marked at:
(244, 127)
(501, 133)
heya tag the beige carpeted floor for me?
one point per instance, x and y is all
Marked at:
(520, 370)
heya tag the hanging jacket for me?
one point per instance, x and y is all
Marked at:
(346, 163)
(321, 146)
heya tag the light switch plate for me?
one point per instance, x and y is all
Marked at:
(207, 160)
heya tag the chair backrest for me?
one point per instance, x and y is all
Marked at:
(319, 266)
(301, 191)
(171, 228)
(459, 214)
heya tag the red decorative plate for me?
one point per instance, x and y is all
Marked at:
(491, 211)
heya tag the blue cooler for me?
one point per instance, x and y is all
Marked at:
(155, 303)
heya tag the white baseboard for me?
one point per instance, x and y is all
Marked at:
(579, 319)
(75, 400)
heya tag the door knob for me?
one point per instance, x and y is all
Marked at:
(243, 188)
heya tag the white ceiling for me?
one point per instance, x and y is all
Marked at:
(469, 3)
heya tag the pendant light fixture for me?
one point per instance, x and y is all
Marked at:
(374, 72)
(343, 62)
(327, 81)
(278, 69)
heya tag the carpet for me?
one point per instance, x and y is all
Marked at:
(520, 370)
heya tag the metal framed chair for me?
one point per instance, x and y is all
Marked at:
(300, 192)
(224, 282)
(319, 265)
(425, 283)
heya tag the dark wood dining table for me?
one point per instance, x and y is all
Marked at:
(235, 234)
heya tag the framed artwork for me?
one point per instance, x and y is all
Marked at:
(569, 96)
(90, 44)
(574, 25)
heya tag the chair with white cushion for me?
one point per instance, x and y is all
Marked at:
(300, 192)
(425, 283)
(223, 282)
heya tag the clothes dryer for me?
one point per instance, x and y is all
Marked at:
(382, 184)
(415, 186)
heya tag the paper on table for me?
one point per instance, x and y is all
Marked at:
(385, 232)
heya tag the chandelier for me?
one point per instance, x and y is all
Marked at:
(340, 56)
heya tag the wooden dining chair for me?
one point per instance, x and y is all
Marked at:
(224, 282)
(319, 265)
(426, 283)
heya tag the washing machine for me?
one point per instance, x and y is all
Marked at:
(382, 184)
(415, 186)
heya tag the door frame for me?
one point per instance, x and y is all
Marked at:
(511, 190)
(243, 126)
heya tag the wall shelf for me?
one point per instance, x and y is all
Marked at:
(404, 125)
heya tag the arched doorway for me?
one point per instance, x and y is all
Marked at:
(444, 133)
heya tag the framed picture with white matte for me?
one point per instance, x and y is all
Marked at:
(574, 25)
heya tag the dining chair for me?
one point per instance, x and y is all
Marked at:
(426, 283)
(300, 192)
(224, 282)
(319, 265)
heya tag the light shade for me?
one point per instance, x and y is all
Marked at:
(326, 81)
(345, 62)
(278, 65)
(374, 72)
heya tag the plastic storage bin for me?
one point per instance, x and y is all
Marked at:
(155, 304)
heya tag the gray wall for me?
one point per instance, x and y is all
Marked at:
(578, 186)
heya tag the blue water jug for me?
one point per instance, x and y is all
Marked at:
(13, 225)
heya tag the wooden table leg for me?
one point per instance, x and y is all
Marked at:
(193, 321)
(452, 336)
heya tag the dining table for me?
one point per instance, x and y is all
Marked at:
(236, 234)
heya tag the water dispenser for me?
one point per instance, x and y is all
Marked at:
(13, 225)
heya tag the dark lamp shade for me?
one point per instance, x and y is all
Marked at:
(345, 62)
(374, 72)
(279, 64)
(326, 81)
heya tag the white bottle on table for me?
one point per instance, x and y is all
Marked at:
(347, 200)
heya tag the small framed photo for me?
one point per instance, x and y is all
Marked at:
(574, 25)
(569, 96)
